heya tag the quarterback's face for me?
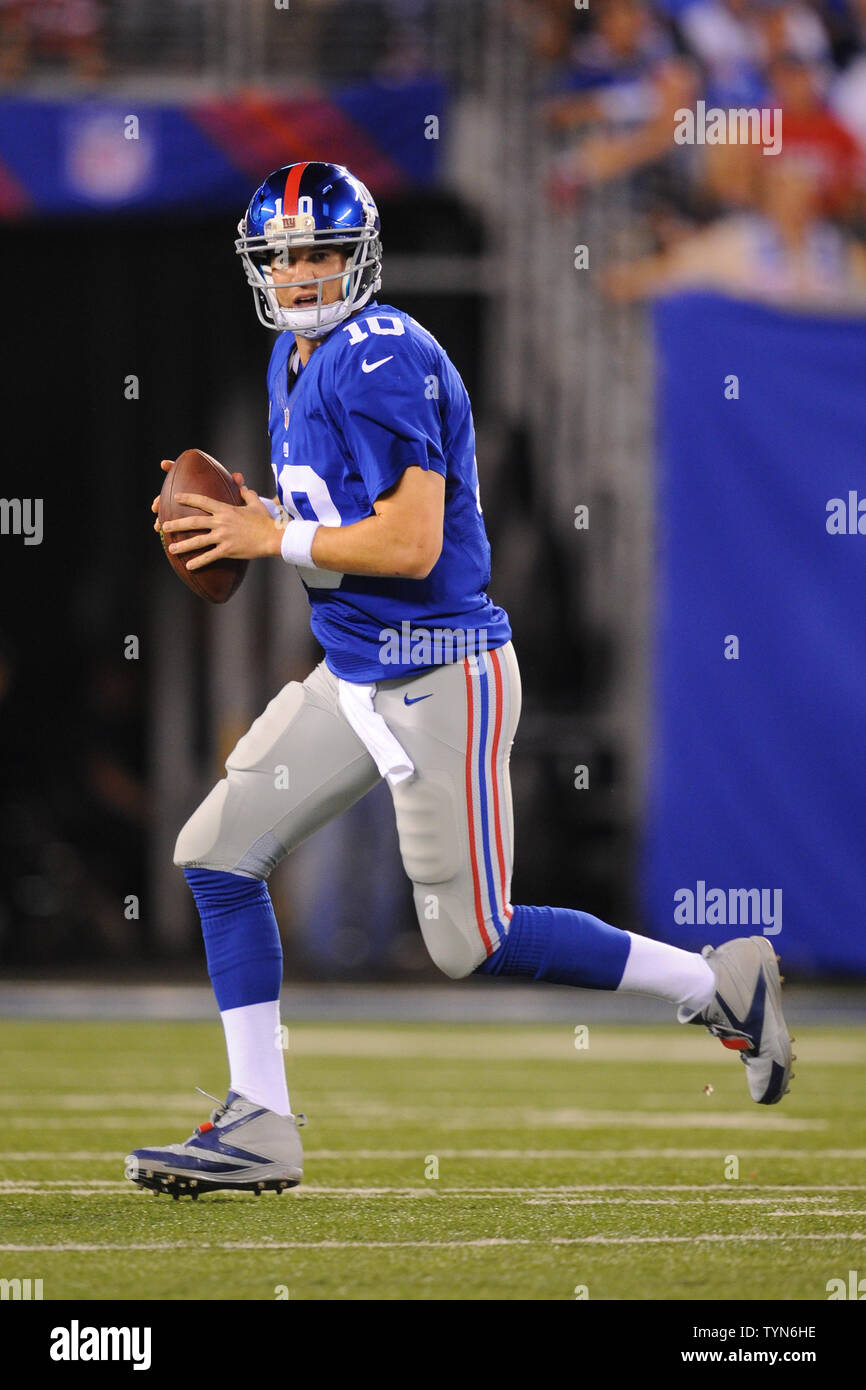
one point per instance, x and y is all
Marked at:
(295, 265)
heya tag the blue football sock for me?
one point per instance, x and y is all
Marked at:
(241, 937)
(563, 946)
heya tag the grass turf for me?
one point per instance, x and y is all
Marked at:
(608, 1168)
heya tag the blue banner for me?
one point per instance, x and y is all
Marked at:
(95, 155)
(756, 817)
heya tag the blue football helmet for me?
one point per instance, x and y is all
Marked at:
(304, 204)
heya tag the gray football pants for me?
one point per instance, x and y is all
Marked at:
(301, 763)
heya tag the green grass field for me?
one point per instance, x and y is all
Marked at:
(607, 1167)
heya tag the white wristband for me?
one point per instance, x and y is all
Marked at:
(297, 543)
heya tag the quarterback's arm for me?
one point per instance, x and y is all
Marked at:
(403, 538)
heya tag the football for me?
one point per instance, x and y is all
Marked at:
(195, 471)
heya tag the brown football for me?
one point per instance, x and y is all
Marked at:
(194, 471)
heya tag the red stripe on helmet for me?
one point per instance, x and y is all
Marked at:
(293, 185)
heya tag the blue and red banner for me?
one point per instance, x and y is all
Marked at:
(93, 156)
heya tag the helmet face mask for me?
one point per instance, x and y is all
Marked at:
(337, 214)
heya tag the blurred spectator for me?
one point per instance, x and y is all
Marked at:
(613, 152)
(785, 252)
(733, 53)
(810, 128)
(625, 84)
(727, 180)
(846, 26)
(735, 39)
(793, 26)
(848, 93)
(549, 28)
(71, 30)
(612, 71)
(723, 35)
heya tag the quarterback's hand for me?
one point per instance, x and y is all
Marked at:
(165, 465)
(237, 533)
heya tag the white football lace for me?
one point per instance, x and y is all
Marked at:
(220, 1103)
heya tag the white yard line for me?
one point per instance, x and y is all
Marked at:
(13, 1184)
(819, 1211)
(52, 1156)
(734, 1200)
(105, 1100)
(262, 1247)
(584, 1155)
(583, 1118)
(588, 1195)
(65, 1122)
(34, 1117)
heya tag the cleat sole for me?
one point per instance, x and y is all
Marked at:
(178, 1187)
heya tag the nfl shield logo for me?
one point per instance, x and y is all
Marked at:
(286, 418)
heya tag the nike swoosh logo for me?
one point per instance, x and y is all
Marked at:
(414, 700)
(753, 1024)
(371, 366)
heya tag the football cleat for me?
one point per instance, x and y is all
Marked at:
(243, 1147)
(745, 1013)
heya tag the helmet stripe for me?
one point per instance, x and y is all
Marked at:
(293, 185)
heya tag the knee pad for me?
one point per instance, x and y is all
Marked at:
(450, 932)
(199, 836)
(427, 820)
(254, 748)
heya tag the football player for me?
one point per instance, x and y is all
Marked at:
(378, 508)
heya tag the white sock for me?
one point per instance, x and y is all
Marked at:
(653, 967)
(256, 1064)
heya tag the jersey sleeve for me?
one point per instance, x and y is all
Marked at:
(388, 399)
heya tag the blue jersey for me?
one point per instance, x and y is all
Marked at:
(377, 396)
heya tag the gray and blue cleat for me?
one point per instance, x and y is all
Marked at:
(243, 1147)
(745, 1013)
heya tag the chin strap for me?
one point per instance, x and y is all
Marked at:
(303, 322)
(320, 332)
